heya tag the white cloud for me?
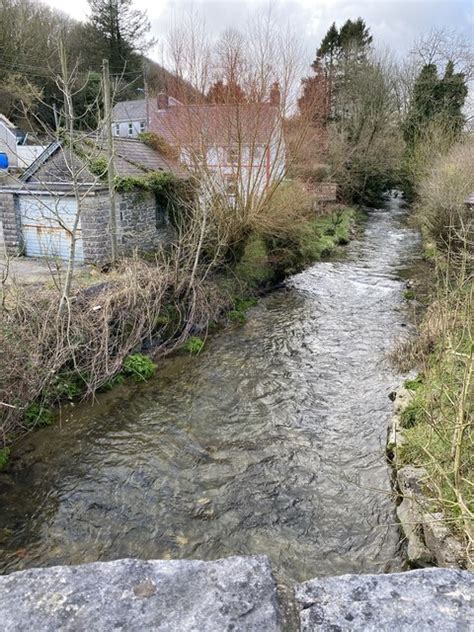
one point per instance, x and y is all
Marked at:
(394, 23)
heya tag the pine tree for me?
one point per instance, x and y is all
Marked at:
(434, 100)
(122, 30)
(340, 51)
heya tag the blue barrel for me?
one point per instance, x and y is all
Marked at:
(3, 160)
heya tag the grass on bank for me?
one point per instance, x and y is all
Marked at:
(439, 432)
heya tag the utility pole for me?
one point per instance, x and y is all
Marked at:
(145, 86)
(110, 157)
(56, 117)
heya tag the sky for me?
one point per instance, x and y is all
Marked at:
(394, 23)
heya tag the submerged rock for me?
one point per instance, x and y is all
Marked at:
(421, 600)
(238, 593)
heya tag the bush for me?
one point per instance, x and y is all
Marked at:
(254, 268)
(441, 212)
(38, 415)
(139, 366)
(413, 414)
(194, 344)
(239, 311)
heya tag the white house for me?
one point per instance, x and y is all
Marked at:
(241, 146)
(130, 118)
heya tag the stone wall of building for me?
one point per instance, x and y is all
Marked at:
(136, 224)
(10, 222)
(139, 225)
(95, 217)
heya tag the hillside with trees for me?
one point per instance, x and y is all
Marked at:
(29, 57)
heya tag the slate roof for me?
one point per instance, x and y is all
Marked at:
(132, 158)
(136, 110)
(216, 124)
(129, 111)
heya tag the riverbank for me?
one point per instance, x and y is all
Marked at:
(118, 326)
(432, 432)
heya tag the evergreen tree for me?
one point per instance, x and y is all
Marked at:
(435, 100)
(122, 30)
(340, 52)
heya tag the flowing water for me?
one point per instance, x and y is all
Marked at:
(271, 441)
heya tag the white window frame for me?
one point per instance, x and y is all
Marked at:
(130, 129)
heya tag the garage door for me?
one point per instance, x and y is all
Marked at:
(44, 220)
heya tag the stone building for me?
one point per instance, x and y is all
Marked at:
(61, 197)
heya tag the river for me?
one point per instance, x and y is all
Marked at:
(271, 441)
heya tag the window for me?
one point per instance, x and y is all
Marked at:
(231, 185)
(130, 129)
(117, 130)
(258, 153)
(232, 155)
(161, 213)
(142, 126)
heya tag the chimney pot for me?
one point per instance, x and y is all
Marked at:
(163, 101)
(275, 95)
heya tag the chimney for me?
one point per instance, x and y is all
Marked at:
(275, 96)
(163, 101)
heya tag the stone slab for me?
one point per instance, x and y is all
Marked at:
(421, 600)
(238, 594)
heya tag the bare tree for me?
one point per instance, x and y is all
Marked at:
(441, 45)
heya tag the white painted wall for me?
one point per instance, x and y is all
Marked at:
(253, 172)
(28, 154)
(128, 129)
(8, 144)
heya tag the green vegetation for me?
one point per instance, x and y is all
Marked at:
(409, 295)
(194, 345)
(414, 385)
(439, 432)
(413, 414)
(4, 456)
(38, 415)
(98, 166)
(254, 268)
(114, 381)
(138, 366)
(239, 311)
(160, 144)
(155, 181)
(65, 387)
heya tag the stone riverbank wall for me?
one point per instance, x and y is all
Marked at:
(428, 538)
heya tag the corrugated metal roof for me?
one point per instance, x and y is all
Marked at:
(470, 200)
